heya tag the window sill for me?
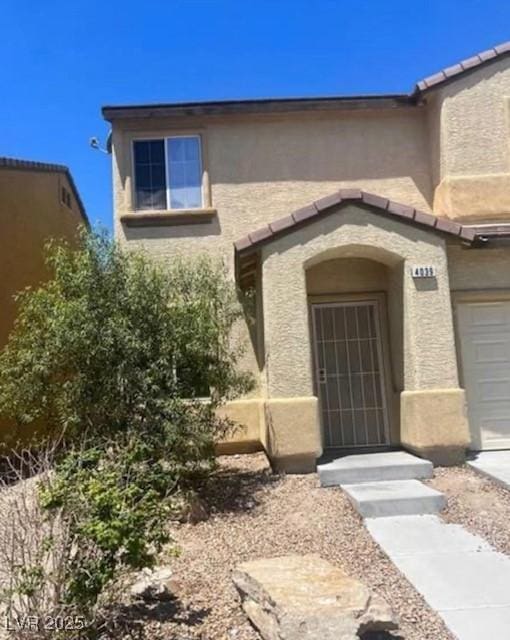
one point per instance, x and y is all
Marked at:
(175, 217)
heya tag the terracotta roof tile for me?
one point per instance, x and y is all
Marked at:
(260, 234)
(306, 212)
(467, 233)
(375, 201)
(350, 194)
(487, 55)
(401, 210)
(281, 224)
(328, 201)
(448, 226)
(425, 218)
(502, 48)
(243, 243)
(462, 67)
(327, 205)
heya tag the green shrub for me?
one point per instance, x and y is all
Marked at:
(113, 337)
(115, 353)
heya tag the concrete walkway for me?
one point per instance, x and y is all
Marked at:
(460, 575)
(495, 465)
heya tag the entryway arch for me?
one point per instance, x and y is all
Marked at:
(356, 321)
(353, 225)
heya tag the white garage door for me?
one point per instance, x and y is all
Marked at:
(484, 330)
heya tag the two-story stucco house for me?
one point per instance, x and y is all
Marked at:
(375, 232)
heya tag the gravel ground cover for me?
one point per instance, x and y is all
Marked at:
(477, 503)
(256, 514)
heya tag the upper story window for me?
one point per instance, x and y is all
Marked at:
(168, 173)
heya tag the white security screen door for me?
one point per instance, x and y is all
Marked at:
(484, 332)
(350, 374)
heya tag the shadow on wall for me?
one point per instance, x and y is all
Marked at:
(425, 284)
(164, 231)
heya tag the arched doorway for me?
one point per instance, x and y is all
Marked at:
(355, 307)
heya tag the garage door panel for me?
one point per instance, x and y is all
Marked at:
(493, 390)
(495, 432)
(487, 317)
(484, 335)
(489, 351)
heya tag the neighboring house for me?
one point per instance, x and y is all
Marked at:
(374, 232)
(38, 201)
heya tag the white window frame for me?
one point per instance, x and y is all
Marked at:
(165, 139)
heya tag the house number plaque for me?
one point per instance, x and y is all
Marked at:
(423, 271)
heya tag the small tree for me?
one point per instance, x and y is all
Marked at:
(116, 353)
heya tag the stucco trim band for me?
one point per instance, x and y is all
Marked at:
(247, 436)
(434, 424)
(293, 436)
(288, 429)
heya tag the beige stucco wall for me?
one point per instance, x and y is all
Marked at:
(261, 168)
(469, 144)
(479, 269)
(425, 341)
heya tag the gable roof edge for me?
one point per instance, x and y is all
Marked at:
(327, 205)
(31, 165)
(449, 74)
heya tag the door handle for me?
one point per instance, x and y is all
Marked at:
(321, 376)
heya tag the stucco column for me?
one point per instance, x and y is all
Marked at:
(433, 407)
(293, 437)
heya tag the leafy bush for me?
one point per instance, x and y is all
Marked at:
(114, 336)
(116, 353)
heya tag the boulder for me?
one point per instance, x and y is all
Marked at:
(306, 598)
(153, 584)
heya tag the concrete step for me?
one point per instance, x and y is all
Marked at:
(394, 498)
(374, 467)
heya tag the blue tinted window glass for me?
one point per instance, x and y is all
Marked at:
(150, 174)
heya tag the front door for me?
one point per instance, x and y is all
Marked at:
(350, 374)
(484, 332)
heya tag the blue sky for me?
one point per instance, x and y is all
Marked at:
(62, 60)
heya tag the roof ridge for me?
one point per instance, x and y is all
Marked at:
(325, 205)
(31, 164)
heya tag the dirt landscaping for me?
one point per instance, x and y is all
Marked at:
(477, 503)
(256, 514)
